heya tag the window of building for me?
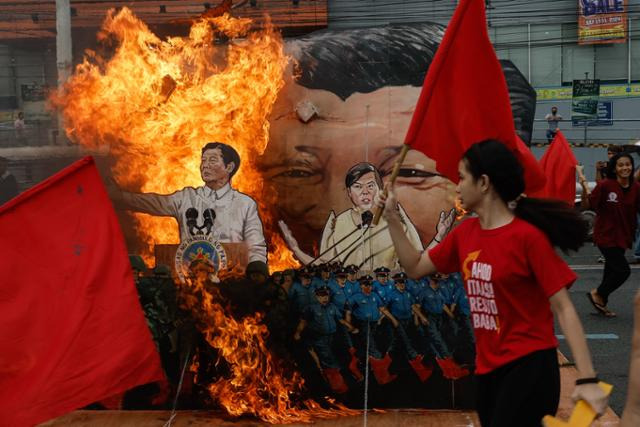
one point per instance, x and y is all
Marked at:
(576, 59)
(546, 55)
(511, 43)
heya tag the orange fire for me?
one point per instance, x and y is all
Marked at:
(156, 102)
(460, 210)
(257, 385)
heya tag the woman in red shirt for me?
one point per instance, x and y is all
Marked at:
(616, 201)
(514, 281)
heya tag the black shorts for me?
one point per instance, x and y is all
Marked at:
(521, 392)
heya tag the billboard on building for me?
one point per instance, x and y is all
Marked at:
(602, 21)
(584, 104)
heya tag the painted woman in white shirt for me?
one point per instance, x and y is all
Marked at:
(214, 209)
(344, 238)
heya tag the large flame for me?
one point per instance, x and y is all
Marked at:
(257, 385)
(156, 102)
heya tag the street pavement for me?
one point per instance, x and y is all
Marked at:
(609, 339)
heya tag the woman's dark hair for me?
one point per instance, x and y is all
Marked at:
(357, 171)
(562, 223)
(611, 165)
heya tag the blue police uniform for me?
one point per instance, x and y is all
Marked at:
(447, 290)
(301, 296)
(400, 307)
(383, 289)
(322, 321)
(464, 330)
(319, 281)
(415, 287)
(459, 295)
(432, 302)
(339, 298)
(366, 307)
(340, 295)
(400, 304)
(366, 313)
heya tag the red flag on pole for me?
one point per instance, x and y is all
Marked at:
(72, 330)
(559, 166)
(465, 99)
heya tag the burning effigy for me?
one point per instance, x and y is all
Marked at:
(293, 140)
(153, 103)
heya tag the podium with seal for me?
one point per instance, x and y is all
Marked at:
(225, 258)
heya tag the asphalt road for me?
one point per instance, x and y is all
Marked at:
(609, 339)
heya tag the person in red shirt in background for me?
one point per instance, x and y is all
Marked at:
(616, 202)
(514, 281)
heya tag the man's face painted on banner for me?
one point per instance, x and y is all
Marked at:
(212, 166)
(363, 191)
(306, 163)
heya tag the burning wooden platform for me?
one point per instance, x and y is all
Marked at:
(407, 418)
(394, 417)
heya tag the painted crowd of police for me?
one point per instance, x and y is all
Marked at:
(339, 313)
(345, 320)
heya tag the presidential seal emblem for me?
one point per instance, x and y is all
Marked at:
(199, 254)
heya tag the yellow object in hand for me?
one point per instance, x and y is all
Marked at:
(582, 415)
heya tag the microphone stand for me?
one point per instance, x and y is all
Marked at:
(364, 223)
(355, 242)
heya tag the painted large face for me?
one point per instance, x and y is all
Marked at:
(305, 163)
(212, 166)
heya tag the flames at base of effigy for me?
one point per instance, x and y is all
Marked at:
(256, 384)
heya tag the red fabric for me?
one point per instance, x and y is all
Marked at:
(465, 99)
(559, 166)
(72, 330)
(616, 212)
(509, 273)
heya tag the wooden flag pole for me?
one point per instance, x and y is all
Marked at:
(394, 175)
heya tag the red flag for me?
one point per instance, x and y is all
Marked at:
(559, 166)
(465, 99)
(72, 330)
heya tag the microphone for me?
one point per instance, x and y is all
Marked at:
(209, 216)
(367, 217)
(192, 220)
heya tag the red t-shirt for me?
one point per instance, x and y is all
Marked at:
(616, 211)
(509, 273)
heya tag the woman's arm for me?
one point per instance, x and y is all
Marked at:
(414, 263)
(572, 329)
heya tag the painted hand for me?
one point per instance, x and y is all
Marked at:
(288, 235)
(445, 222)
